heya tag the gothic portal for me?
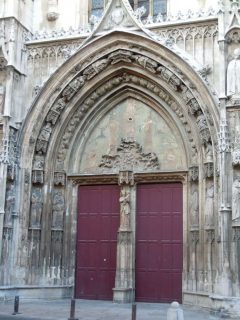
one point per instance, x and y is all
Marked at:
(119, 155)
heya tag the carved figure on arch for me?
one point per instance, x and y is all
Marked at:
(147, 63)
(43, 138)
(91, 71)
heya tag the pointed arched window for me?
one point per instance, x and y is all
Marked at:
(97, 7)
(153, 7)
(159, 6)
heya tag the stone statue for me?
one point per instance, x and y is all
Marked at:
(209, 206)
(125, 208)
(194, 207)
(58, 210)
(236, 199)
(43, 138)
(36, 208)
(233, 75)
(9, 205)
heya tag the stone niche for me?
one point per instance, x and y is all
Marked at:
(133, 124)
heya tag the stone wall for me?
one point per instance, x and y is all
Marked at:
(61, 88)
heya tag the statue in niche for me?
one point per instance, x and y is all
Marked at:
(36, 208)
(194, 207)
(236, 199)
(58, 210)
(9, 205)
(209, 206)
(208, 152)
(233, 75)
(125, 208)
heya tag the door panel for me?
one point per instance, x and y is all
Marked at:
(159, 243)
(98, 223)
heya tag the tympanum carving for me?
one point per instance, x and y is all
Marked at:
(129, 156)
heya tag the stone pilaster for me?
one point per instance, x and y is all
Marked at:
(224, 280)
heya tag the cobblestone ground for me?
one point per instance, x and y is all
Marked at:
(94, 310)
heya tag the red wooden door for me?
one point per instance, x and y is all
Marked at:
(159, 236)
(98, 223)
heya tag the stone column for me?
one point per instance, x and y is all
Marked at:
(124, 291)
(224, 286)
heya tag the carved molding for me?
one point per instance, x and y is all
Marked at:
(138, 178)
(160, 177)
(126, 178)
(210, 236)
(124, 237)
(96, 179)
(224, 143)
(194, 236)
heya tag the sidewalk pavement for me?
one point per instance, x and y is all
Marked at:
(94, 310)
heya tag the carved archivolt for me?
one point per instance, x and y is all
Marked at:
(89, 71)
(106, 88)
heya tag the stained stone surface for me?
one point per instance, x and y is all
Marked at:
(134, 120)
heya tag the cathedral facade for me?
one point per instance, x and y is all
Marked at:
(120, 151)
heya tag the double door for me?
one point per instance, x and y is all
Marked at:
(158, 263)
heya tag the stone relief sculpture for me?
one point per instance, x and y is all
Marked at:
(130, 155)
(236, 199)
(125, 208)
(36, 208)
(194, 207)
(209, 205)
(9, 205)
(43, 138)
(58, 210)
(233, 75)
(203, 128)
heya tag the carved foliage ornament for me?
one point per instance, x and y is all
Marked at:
(129, 156)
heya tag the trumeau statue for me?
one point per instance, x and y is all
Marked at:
(125, 208)
(233, 75)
